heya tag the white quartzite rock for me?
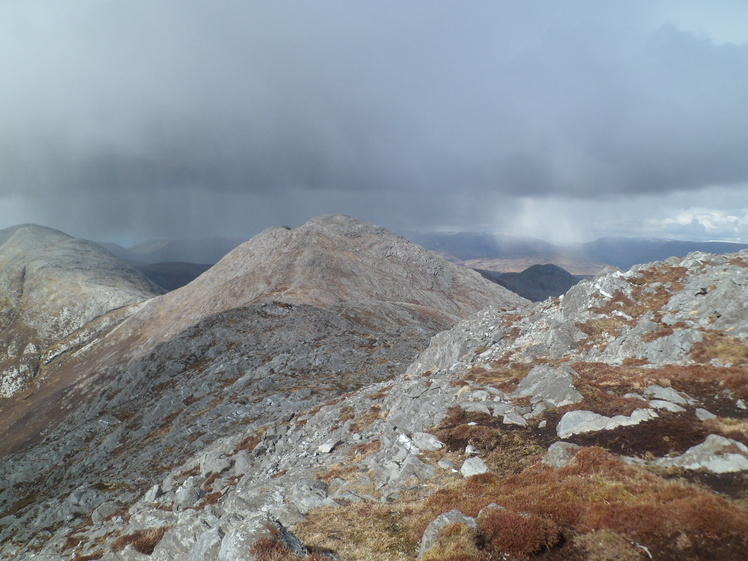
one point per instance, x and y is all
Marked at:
(667, 405)
(667, 394)
(426, 441)
(577, 422)
(328, 446)
(716, 454)
(473, 466)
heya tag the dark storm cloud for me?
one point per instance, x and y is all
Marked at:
(460, 104)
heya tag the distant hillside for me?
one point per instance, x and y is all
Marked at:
(624, 253)
(506, 253)
(51, 286)
(537, 282)
(172, 274)
(200, 250)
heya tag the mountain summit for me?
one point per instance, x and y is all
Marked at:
(330, 260)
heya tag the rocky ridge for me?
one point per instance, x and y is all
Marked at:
(609, 424)
(216, 359)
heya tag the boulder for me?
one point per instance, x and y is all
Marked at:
(454, 516)
(328, 446)
(580, 421)
(426, 441)
(716, 454)
(237, 543)
(153, 493)
(103, 511)
(560, 454)
(212, 462)
(667, 394)
(473, 466)
(554, 385)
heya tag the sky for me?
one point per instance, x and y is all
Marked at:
(567, 121)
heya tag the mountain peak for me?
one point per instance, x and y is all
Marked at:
(329, 260)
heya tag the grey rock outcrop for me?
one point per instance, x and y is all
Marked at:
(716, 454)
(431, 533)
(555, 386)
(473, 466)
(560, 454)
(579, 422)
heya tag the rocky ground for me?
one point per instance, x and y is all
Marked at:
(569, 431)
(255, 343)
(611, 423)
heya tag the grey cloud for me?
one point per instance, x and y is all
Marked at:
(430, 106)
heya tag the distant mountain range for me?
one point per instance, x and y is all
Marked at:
(174, 263)
(207, 251)
(508, 253)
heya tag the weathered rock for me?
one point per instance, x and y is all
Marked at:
(188, 494)
(426, 441)
(667, 394)
(103, 511)
(207, 546)
(308, 494)
(431, 533)
(473, 466)
(514, 418)
(578, 422)
(236, 544)
(153, 493)
(667, 405)
(475, 407)
(328, 446)
(560, 454)
(554, 385)
(716, 454)
(703, 414)
(212, 462)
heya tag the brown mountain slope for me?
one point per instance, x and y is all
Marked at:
(329, 260)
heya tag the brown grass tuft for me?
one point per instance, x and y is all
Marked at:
(98, 554)
(367, 418)
(362, 451)
(143, 541)
(516, 533)
(248, 444)
(271, 549)
(381, 394)
(456, 542)
(725, 348)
